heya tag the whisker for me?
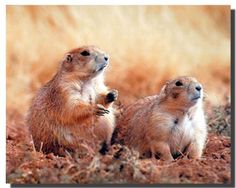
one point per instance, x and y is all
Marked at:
(205, 95)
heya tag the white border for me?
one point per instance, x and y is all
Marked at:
(120, 2)
(3, 97)
(63, 2)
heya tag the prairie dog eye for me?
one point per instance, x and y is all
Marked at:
(178, 83)
(69, 58)
(85, 53)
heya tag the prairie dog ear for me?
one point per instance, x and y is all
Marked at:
(67, 62)
(68, 58)
(164, 88)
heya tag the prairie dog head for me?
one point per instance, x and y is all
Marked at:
(85, 62)
(183, 92)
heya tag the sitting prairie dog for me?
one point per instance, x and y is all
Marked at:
(74, 105)
(167, 124)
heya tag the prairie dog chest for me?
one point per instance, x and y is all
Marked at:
(181, 134)
(88, 93)
(81, 91)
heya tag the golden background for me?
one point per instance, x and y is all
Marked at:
(147, 45)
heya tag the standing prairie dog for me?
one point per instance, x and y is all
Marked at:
(74, 105)
(169, 123)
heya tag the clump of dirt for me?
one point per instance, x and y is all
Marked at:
(120, 165)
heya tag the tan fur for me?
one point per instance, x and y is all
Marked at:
(168, 123)
(71, 107)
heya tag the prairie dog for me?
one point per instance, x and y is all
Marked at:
(169, 123)
(75, 105)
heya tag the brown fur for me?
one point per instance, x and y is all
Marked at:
(72, 107)
(166, 124)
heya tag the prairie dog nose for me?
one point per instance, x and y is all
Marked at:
(106, 58)
(198, 88)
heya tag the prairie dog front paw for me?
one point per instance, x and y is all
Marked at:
(111, 96)
(101, 110)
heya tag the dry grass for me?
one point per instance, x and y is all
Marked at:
(147, 45)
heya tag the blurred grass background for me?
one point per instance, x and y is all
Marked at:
(147, 46)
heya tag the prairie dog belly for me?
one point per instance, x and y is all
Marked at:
(104, 126)
(101, 131)
(180, 136)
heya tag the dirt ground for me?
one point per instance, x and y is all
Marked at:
(119, 165)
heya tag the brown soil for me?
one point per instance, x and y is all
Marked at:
(119, 165)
